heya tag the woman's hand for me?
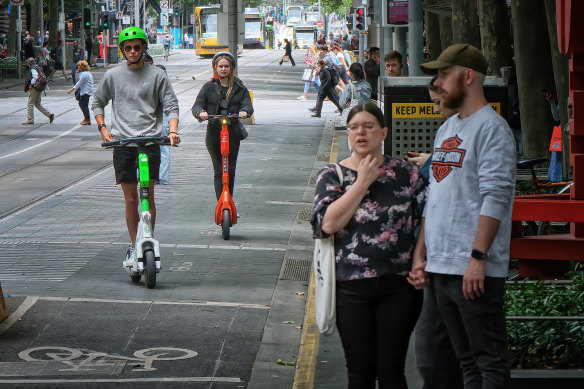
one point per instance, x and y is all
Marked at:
(203, 115)
(70, 90)
(347, 104)
(368, 170)
(242, 114)
(417, 159)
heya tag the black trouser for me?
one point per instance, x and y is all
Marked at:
(331, 94)
(89, 57)
(291, 59)
(84, 105)
(375, 318)
(213, 142)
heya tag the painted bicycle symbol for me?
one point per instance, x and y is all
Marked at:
(87, 360)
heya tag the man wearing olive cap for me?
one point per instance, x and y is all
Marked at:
(464, 239)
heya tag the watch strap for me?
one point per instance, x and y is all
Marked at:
(478, 254)
(99, 127)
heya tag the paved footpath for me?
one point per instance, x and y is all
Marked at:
(223, 313)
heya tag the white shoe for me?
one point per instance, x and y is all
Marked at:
(301, 98)
(130, 257)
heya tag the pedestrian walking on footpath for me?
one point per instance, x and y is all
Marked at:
(43, 60)
(88, 47)
(78, 55)
(372, 212)
(287, 53)
(224, 94)
(83, 90)
(95, 49)
(58, 57)
(463, 246)
(34, 85)
(135, 113)
(327, 89)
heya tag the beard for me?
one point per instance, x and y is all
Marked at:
(454, 99)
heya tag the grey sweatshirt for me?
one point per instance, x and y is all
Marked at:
(140, 96)
(472, 175)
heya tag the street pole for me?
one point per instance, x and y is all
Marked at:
(18, 44)
(63, 56)
(361, 55)
(42, 9)
(137, 13)
(415, 41)
(232, 31)
(82, 35)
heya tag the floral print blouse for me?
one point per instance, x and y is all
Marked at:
(379, 240)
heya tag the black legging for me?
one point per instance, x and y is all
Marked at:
(84, 105)
(375, 318)
(213, 142)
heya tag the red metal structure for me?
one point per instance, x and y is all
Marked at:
(545, 256)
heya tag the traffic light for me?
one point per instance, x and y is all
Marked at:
(176, 10)
(170, 17)
(87, 17)
(104, 19)
(361, 19)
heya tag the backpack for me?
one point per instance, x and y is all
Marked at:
(53, 53)
(334, 74)
(41, 81)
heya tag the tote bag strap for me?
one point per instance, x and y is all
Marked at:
(339, 173)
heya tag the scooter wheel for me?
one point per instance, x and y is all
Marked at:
(225, 224)
(149, 269)
(135, 277)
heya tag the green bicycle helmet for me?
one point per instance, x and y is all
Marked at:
(132, 33)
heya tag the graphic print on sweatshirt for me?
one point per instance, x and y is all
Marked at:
(446, 157)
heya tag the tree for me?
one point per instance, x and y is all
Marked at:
(445, 31)
(433, 44)
(11, 50)
(465, 22)
(534, 72)
(495, 39)
(53, 22)
(34, 21)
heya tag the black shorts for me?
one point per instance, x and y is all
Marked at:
(126, 163)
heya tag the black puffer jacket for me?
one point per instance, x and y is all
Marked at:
(209, 98)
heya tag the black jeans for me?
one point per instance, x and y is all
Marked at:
(84, 105)
(331, 94)
(477, 330)
(213, 142)
(291, 59)
(375, 318)
(435, 358)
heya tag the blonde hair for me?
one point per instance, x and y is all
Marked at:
(231, 77)
(83, 66)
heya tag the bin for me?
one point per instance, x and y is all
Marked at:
(112, 54)
(410, 117)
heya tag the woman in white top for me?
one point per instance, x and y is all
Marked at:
(83, 90)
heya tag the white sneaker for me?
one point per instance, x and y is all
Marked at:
(301, 98)
(130, 257)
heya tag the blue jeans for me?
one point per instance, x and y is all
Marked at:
(315, 84)
(477, 330)
(375, 318)
(435, 357)
(73, 71)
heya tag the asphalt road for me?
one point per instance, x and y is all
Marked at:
(223, 312)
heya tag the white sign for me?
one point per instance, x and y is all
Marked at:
(164, 19)
(126, 19)
(119, 15)
(18, 25)
(16, 3)
(192, 19)
(164, 4)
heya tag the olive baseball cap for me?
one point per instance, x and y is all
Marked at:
(461, 54)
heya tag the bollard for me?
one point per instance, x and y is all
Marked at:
(251, 119)
(3, 310)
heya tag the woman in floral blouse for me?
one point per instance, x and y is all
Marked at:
(373, 215)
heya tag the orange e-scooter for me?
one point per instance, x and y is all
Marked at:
(225, 211)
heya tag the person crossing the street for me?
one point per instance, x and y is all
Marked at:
(137, 92)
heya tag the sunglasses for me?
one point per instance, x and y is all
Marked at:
(136, 48)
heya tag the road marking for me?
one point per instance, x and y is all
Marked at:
(188, 303)
(306, 365)
(105, 380)
(42, 143)
(14, 317)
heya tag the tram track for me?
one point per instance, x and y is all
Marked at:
(178, 79)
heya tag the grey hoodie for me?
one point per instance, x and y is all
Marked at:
(472, 175)
(140, 96)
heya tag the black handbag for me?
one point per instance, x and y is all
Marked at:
(78, 94)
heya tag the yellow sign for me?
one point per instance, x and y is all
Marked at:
(422, 110)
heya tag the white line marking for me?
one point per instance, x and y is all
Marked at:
(106, 380)
(42, 143)
(14, 317)
(206, 303)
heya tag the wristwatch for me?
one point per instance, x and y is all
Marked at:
(102, 125)
(478, 254)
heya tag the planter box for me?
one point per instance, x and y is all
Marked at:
(546, 379)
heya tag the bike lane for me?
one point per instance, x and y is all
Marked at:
(221, 309)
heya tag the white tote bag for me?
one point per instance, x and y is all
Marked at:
(346, 110)
(324, 270)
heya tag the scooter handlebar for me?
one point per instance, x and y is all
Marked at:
(159, 140)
